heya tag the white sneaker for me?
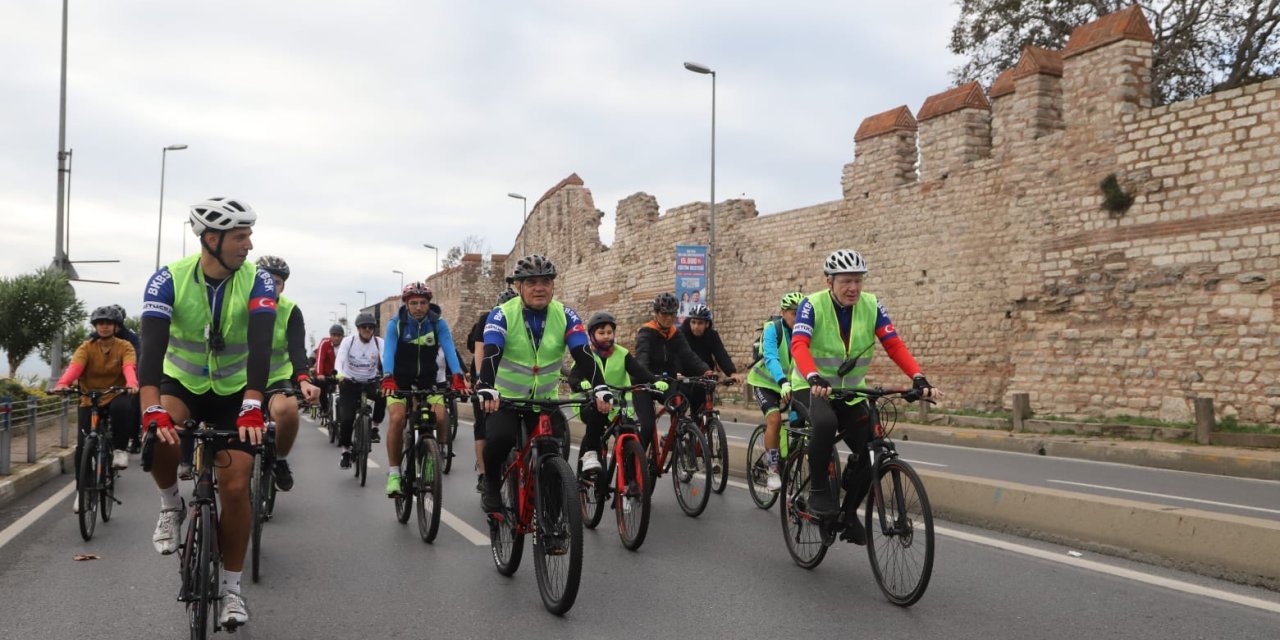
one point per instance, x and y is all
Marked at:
(590, 462)
(168, 526)
(774, 482)
(185, 471)
(233, 612)
(75, 505)
(120, 459)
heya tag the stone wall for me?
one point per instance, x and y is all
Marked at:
(998, 262)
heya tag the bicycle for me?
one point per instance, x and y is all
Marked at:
(420, 478)
(625, 467)
(538, 498)
(707, 417)
(896, 513)
(262, 482)
(329, 413)
(362, 430)
(95, 476)
(451, 411)
(685, 452)
(757, 457)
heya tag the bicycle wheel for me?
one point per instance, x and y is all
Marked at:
(758, 471)
(592, 490)
(404, 501)
(557, 543)
(719, 454)
(690, 469)
(361, 447)
(633, 502)
(452, 410)
(330, 423)
(107, 495)
(86, 487)
(257, 503)
(800, 529)
(428, 490)
(204, 574)
(446, 455)
(505, 540)
(899, 526)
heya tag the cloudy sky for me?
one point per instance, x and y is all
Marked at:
(360, 130)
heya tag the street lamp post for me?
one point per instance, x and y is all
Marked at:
(436, 252)
(59, 257)
(160, 223)
(525, 217)
(364, 298)
(345, 313)
(711, 248)
(401, 277)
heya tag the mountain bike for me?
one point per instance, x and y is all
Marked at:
(95, 476)
(707, 417)
(538, 497)
(758, 461)
(896, 513)
(623, 479)
(451, 412)
(362, 428)
(420, 477)
(685, 453)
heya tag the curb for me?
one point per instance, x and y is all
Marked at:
(32, 476)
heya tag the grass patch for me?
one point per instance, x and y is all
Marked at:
(973, 413)
(1230, 425)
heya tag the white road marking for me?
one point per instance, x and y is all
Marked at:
(469, 532)
(13, 530)
(373, 464)
(1165, 495)
(1137, 576)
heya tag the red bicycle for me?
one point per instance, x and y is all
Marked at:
(625, 467)
(538, 497)
(684, 452)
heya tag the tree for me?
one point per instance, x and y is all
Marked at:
(1201, 46)
(470, 244)
(34, 308)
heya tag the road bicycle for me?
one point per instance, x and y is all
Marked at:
(262, 482)
(685, 453)
(420, 464)
(896, 514)
(95, 475)
(623, 480)
(539, 496)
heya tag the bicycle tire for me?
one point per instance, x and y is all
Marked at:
(719, 454)
(428, 489)
(691, 469)
(87, 488)
(452, 412)
(505, 541)
(106, 496)
(206, 574)
(404, 501)
(908, 514)
(558, 525)
(592, 491)
(800, 530)
(257, 505)
(758, 470)
(362, 448)
(633, 504)
(446, 455)
(330, 423)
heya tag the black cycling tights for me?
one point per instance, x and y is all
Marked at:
(825, 417)
(503, 435)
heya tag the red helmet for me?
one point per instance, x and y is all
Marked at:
(413, 289)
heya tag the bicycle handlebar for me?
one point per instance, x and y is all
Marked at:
(875, 393)
(530, 403)
(77, 391)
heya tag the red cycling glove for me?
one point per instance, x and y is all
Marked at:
(389, 385)
(156, 413)
(250, 417)
(459, 383)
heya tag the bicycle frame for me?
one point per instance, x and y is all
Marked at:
(542, 436)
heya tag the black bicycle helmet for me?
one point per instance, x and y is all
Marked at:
(365, 318)
(665, 303)
(598, 318)
(700, 312)
(107, 314)
(505, 296)
(337, 330)
(274, 266)
(534, 266)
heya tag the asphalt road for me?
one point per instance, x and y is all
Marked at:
(1223, 494)
(337, 564)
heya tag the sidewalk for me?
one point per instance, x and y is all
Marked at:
(51, 460)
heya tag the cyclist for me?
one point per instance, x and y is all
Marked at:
(620, 369)
(840, 323)
(288, 367)
(104, 360)
(662, 349)
(359, 365)
(414, 336)
(326, 355)
(705, 341)
(475, 341)
(525, 363)
(133, 426)
(769, 377)
(207, 325)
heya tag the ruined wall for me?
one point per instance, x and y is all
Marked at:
(998, 262)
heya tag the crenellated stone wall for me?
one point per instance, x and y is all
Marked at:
(991, 246)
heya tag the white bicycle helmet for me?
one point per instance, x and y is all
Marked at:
(844, 261)
(221, 214)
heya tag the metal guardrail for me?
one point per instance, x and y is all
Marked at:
(27, 416)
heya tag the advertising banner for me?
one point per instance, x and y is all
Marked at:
(691, 277)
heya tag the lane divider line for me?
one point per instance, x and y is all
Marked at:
(469, 532)
(21, 524)
(1165, 495)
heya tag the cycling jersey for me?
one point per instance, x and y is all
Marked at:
(359, 361)
(775, 363)
(409, 353)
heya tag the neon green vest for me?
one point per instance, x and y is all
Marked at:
(189, 359)
(615, 374)
(759, 375)
(281, 367)
(828, 348)
(525, 372)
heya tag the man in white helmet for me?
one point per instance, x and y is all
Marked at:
(207, 325)
(833, 326)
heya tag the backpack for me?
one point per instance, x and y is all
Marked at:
(757, 351)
